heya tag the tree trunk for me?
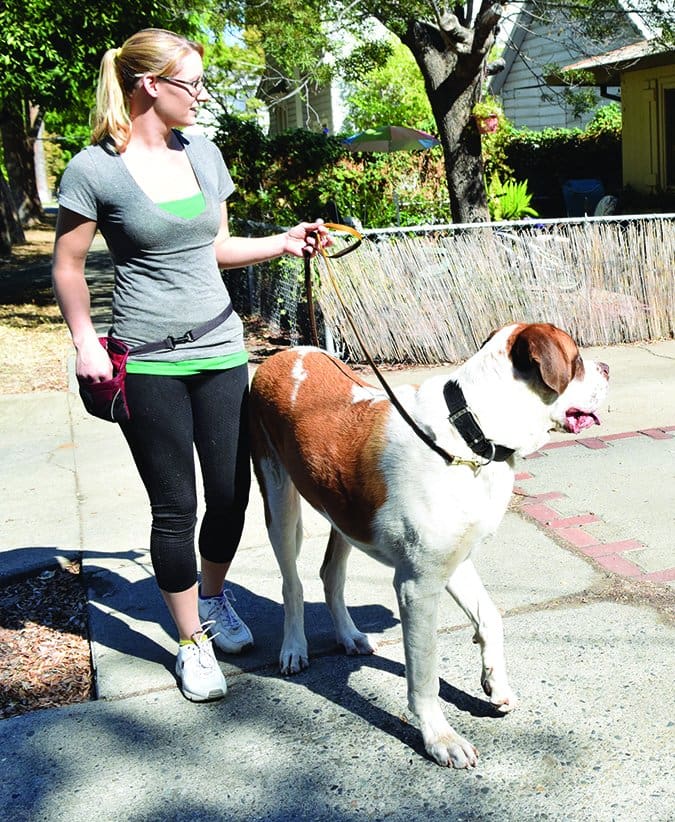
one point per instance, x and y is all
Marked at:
(11, 231)
(452, 82)
(18, 138)
(464, 170)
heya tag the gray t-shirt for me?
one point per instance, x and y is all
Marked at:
(167, 279)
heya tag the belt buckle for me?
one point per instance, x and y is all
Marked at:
(186, 338)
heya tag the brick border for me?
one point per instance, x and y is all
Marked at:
(595, 443)
(608, 555)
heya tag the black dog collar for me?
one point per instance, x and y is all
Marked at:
(465, 422)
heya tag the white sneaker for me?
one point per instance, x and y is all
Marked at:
(197, 669)
(231, 634)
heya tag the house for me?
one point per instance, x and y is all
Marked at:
(537, 38)
(646, 74)
(303, 105)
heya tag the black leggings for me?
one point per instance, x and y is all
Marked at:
(168, 416)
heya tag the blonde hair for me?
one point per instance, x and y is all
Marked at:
(150, 51)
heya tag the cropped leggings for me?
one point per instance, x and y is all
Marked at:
(170, 417)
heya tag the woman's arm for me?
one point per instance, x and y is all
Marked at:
(74, 235)
(235, 252)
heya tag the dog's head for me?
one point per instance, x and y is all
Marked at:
(528, 380)
(549, 360)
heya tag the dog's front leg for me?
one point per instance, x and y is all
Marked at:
(468, 591)
(419, 610)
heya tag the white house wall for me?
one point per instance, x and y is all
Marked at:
(528, 101)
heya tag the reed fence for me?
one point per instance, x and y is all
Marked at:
(435, 295)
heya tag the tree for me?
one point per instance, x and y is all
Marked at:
(391, 93)
(451, 46)
(450, 49)
(11, 231)
(49, 61)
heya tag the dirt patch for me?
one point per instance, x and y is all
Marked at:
(37, 250)
(33, 359)
(34, 340)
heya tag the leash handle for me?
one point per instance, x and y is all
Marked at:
(313, 332)
(347, 229)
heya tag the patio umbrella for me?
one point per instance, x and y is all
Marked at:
(390, 138)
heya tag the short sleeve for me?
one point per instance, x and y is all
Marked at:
(225, 183)
(77, 187)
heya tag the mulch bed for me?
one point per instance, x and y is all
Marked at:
(44, 646)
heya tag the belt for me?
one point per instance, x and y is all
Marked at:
(169, 343)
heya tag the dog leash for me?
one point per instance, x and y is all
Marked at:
(450, 459)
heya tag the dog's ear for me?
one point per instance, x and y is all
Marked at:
(547, 349)
(488, 338)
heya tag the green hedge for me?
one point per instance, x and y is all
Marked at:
(546, 159)
(300, 174)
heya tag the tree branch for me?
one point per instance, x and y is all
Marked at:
(458, 37)
(486, 23)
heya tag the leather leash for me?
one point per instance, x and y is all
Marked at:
(450, 459)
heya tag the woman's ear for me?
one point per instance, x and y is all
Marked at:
(149, 84)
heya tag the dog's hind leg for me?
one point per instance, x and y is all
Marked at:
(468, 591)
(333, 575)
(283, 515)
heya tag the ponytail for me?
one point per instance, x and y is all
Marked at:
(111, 116)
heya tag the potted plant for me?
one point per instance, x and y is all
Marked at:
(486, 115)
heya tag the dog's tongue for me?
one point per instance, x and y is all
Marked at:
(576, 420)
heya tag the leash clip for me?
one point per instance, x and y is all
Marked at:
(474, 465)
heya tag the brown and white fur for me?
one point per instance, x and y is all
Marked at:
(320, 431)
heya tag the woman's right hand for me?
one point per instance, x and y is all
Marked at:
(92, 363)
(74, 234)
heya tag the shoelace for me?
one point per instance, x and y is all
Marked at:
(228, 611)
(203, 640)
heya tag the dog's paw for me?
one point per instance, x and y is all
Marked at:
(357, 643)
(292, 661)
(452, 751)
(500, 693)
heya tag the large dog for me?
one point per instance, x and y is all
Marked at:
(320, 431)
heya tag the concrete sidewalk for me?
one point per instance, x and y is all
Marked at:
(583, 569)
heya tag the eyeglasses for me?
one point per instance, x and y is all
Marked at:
(193, 87)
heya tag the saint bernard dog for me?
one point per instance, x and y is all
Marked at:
(319, 431)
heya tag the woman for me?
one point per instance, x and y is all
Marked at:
(159, 199)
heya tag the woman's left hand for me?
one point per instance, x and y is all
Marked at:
(307, 238)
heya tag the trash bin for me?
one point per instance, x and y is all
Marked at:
(582, 196)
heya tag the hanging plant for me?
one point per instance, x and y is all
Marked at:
(487, 115)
